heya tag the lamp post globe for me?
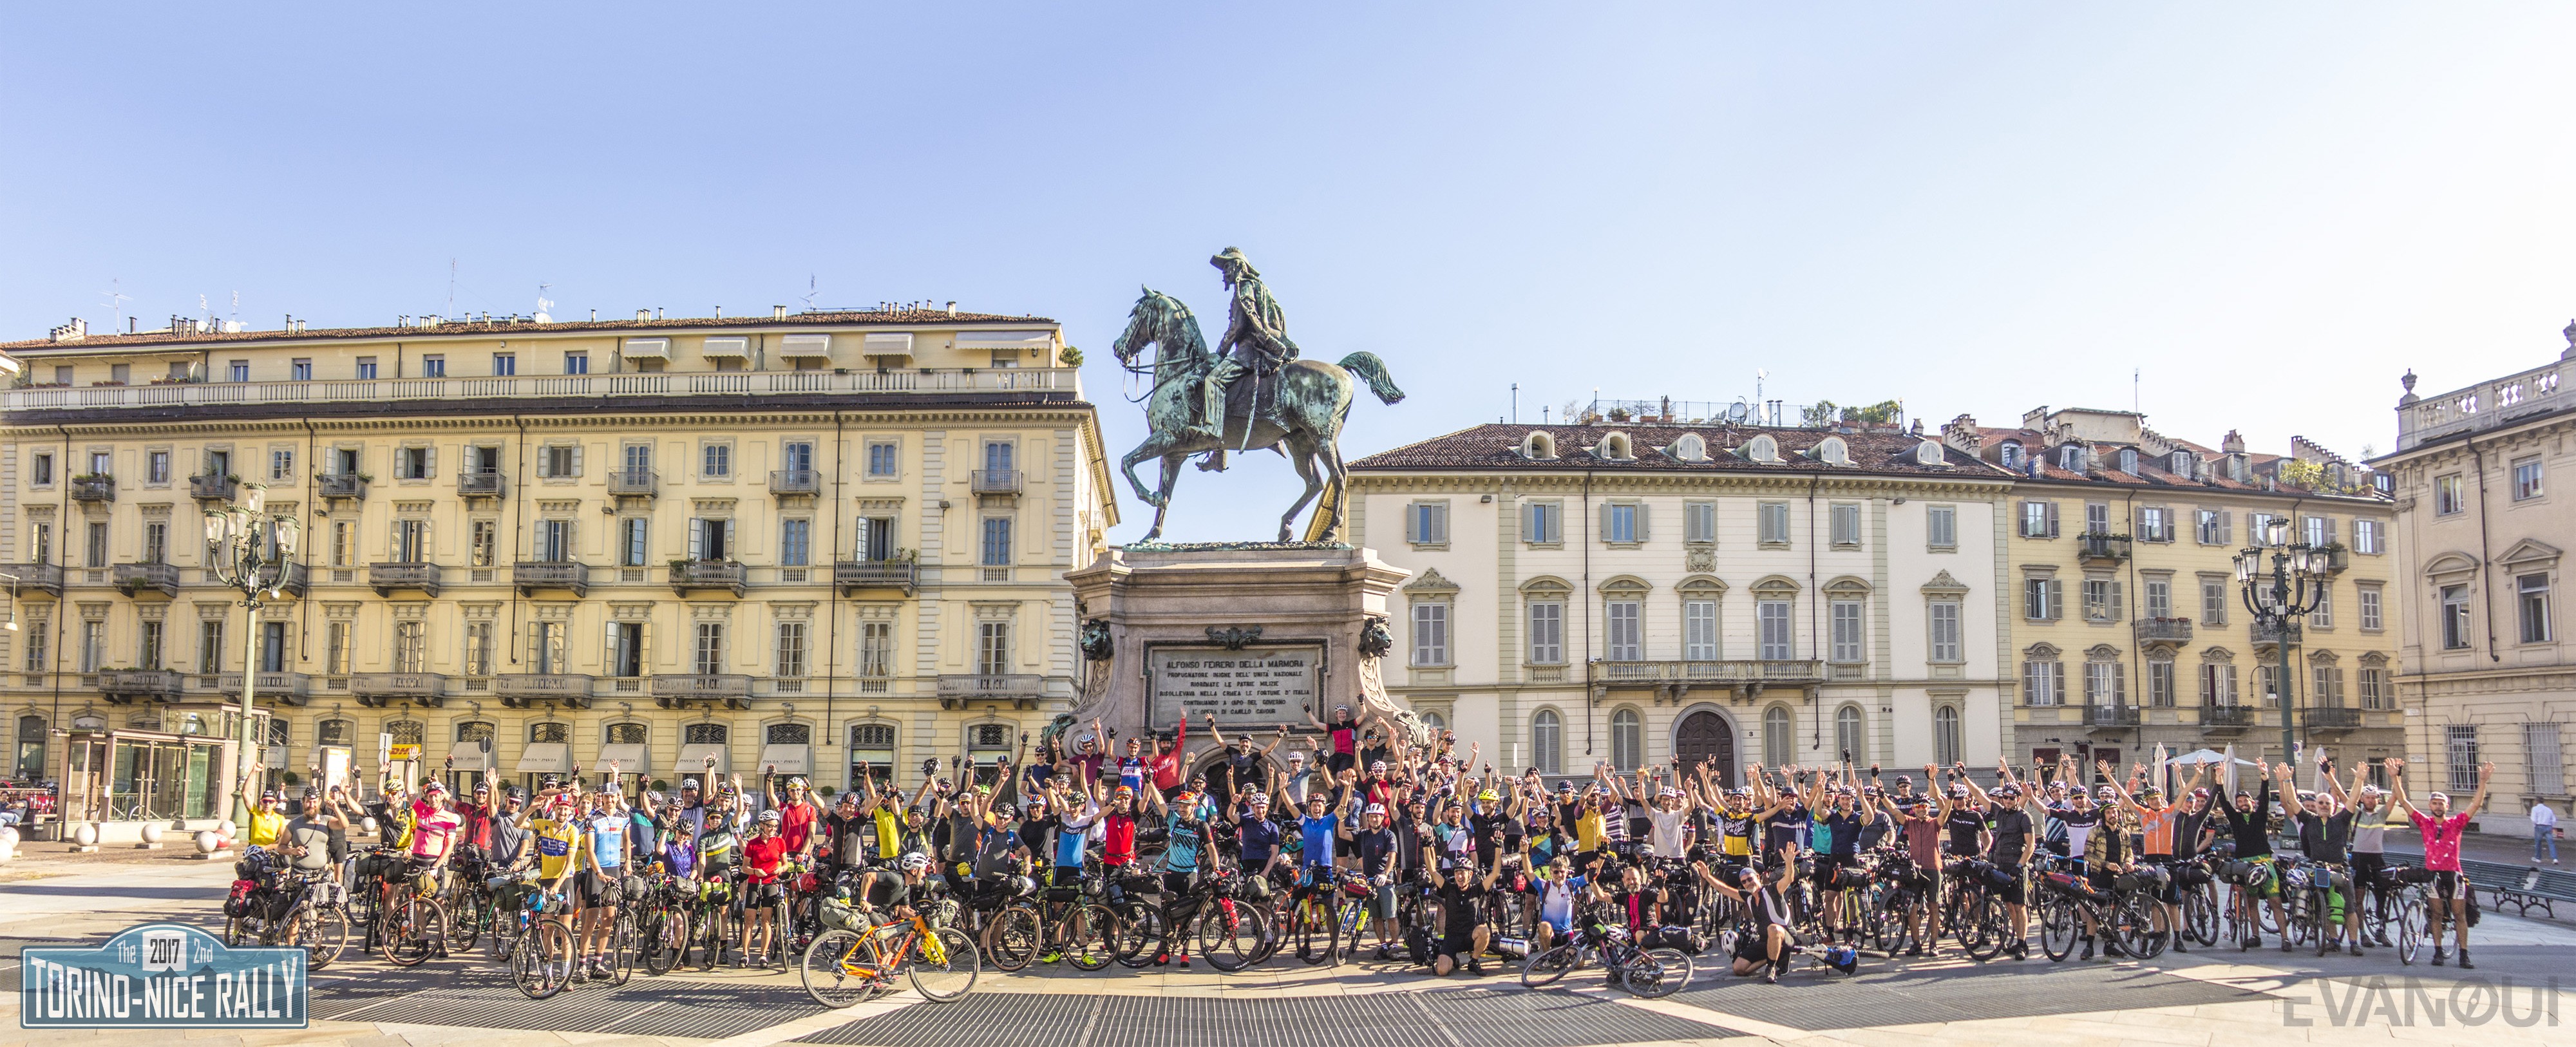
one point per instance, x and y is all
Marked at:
(256, 555)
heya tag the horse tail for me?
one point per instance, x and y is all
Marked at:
(1373, 371)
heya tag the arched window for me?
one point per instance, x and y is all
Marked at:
(405, 732)
(29, 760)
(1777, 745)
(1929, 453)
(2009, 454)
(1946, 743)
(1538, 444)
(1762, 449)
(1547, 742)
(1627, 740)
(703, 734)
(474, 731)
(1833, 451)
(788, 734)
(542, 733)
(1847, 734)
(334, 732)
(1690, 448)
(1432, 720)
(627, 734)
(1615, 447)
(871, 753)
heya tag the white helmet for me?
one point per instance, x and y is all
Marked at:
(915, 862)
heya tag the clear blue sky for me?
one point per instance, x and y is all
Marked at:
(2271, 209)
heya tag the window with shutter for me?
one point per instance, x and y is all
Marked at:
(2052, 519)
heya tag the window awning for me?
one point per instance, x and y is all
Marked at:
(471, 756)
(789, 759)
(726, 347)
(646, 349)
(805, 345)
(1005, 339)
(634, 758)
(546, 758)
(693, 758)
(897, 344)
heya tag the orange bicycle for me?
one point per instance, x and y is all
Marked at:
(845, 967)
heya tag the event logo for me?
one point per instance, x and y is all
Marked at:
(164, 976)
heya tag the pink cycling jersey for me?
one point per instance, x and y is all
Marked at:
(2442, 840)
(429, 835)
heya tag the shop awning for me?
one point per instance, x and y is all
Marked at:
(630, 759)
(545, 758)
(805, 345)
(789, 759)
(472, 756)
(646, 349)
(899, 344)
(693, 758)
(726, 348)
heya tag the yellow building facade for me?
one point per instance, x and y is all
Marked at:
(823, 542)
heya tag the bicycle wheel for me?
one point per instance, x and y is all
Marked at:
(2057, 926)
(473, 909)
(1011, 938)
(401, 935)
(1317, 926)
(543, 964)
(952, 972)
(666, 940)
(1670, 971)
(1229, 934)
(1547, 965)
(2134, 918)
(2408, 932)
(1091, 939)
(325, 934)
(621, 951)
(837, 970)
(1981, 927)
(234, 932)
(2200, 915)
(706, 931)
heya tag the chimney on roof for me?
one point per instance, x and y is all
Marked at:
(642, 315)
(778, 312)
(952, 308)
(2232, 443)
(74, 331)
(1962, 433)
(657, 312)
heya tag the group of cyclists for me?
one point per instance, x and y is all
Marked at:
(1362, 844)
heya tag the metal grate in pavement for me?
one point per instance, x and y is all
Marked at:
(1430, 1018)
(1816, 1001)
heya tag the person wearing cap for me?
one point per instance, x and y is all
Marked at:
(1090, 750)
(1920, 822)
(2324, 826)
(2169, 835)
(2369, 833)
(848, 837)
(433, 832)
(764, 859)
(1377, 845)
(1344, 735)
(306, 842)
(1462, 932)
(2249, 824)
(797, 812)
(1763, 937)
(267, 816)
(1164, 766)
(474, 832)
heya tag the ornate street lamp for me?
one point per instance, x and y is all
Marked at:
(2293, 586)
(252, 553)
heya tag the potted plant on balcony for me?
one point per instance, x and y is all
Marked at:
(2338, 556)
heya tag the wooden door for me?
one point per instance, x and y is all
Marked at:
(1703, 735)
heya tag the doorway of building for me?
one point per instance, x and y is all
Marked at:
(1706, 734)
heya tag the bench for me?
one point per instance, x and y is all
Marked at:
(2522, 887)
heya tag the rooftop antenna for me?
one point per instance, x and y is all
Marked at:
(1516, 402)
(451, 287)
(116, 300)
(543, 303)
(809, 292)
(2133, 390)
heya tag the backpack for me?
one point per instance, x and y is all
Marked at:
(1681, 938)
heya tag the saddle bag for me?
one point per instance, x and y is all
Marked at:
(1681, 938)
(2067, 883)
(237, 904)
(839, 915)
(1998, 876)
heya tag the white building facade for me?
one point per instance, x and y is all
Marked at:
(1639, 593)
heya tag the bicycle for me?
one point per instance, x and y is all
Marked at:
(415, 929)
(1062, 921)
(1234, 920)
(1972, 913)
(2314, 895)
(1645, 973)
(1314, 918)
(2246, 917)
(2068, 905)
(541, 954)
(846, 967)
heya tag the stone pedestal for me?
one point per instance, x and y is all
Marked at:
(1254, 632)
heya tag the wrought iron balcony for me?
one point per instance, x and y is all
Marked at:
(730, 690)
(297, 577)
(211, 487)
(135, 578)
(853, 575)
(1746, 676)
(532, 575)
(521, 690)
(482, 485)
(2338, 557)
(37, 577)
(1021, 689)
(2229, 719)
(2329, 718)
(687, 575)
(2105, 548)
(126, 685)
(93, 488)
(640, 483)
(291, 688)
(2110, 715)
(2163, 630)
(2267, 634)
(794, 481)
(343, 485)
(387, 577)
(996, 481)
(378, 689)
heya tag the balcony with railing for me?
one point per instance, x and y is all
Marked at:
(522, 690)
(2229, 719)
(634, 483)
(728, 690)
(996, 481)
(386, 578)
(297, 579)
(854, 575)
(482, 485)
(126, 685)
(589, 387)
(2487, 405)
(2110, 717)
(138, 578)
(291, 688)
(2269, 634)
(211, 487)
(558, 575)
(2102, 548)
(2329, 718)
(343, 485)
(25, 578)
(1022, 690)
(2163, 630)
(699, 575)
(1746, 677)
(381, 689)
(785, 482)
(93, 488)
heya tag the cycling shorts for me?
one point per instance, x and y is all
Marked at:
(757, 895)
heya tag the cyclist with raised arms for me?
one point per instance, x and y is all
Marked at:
(2442, 827)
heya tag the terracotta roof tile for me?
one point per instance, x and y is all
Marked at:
(473, 328)
(1496, 446)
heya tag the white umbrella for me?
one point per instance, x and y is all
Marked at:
(2201, 756)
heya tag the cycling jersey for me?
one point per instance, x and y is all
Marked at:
(1118, 840)
(761, 857)
(2248, 826)
(1317, 836)
(889, 832)
(2369, 830)
(1588, 829)
(1923, 843)
(432, 830)
(796, 824)
(2011, 826)
(717, 849)
(1181, 842)
(1376, 849)
(2158, 826)
(1964, 824)
(884, 889)
(1664, 837)
(2322, 839)
(1556, 901)
(2441, 840)
(1257, 836)
(608, 841)
(1844, 834)
(1735, 834)
(2186, 833)
(1784, 828)
(2079, 823)
(555, 842)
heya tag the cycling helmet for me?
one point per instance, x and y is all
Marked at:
(1020, 887)
(797, 782)
(1958, 792)
(1375, 808)
(312, 793)
(1489, 796)
(916, 862)
(769, 818)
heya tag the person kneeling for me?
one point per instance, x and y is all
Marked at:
(1762, 942)
(1461, 933)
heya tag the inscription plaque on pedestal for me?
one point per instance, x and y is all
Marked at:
(1254, 687)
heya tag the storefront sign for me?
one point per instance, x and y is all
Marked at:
(164, 976)
(1255, 686)
(400, 753)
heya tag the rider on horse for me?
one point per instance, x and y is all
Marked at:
(1256, 340)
